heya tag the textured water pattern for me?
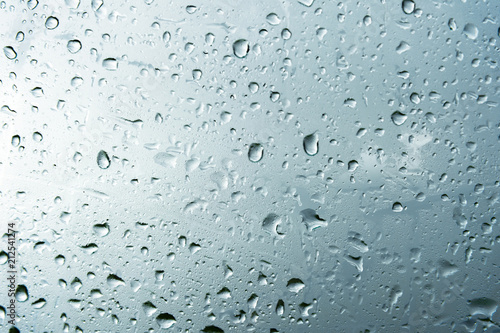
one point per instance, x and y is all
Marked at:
(251, 166)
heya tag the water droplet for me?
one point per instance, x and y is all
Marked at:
(212, 329)
(415, 98)
(350, 103)
(37, 136)
(274, 96)
(367, 20)
(253, 87)
(101, 229)
(398, 118)
(311, 144)
(241, 48)
(60, 260)
(103, 160)
(9, 52)
(16, 140)
(73, 4)
(197, 74)
(273, 19)
(20, 36)
(39, 303)
(280, 307)
(307, 3)
(271, 223)
(320, 33)
(32, 4)
(224, 293)
(295, 285)
(255, 152)
(74, 46)
(166, 36)
(51, 23)
(286, 34)
(111, 64)
(37, 92)
(114, 281)
(408, 6)
(149, 308)
(22, 294)
(452, 24)
(402, 47)
(397, 207)
(483, 307)
(191, 9)
(352, 165)
(312, 220)
(471, 31)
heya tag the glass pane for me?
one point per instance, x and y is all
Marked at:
(265, 166)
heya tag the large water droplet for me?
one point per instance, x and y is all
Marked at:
(149, 308)
(408, 6)
(114, 281)
(241, 48)
(165, 320)
(212, 329)
(103, 160)
(22, 294)
(16, 140)
(101, 229)
(255, 152)
(398, 118)
(397, 207)
(273, 19)
(471, 31)
(295, 285)
(9, 52)
(51, 23)
(311, 144)
(74, 46)
(111, 64)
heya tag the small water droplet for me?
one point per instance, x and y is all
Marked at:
(311, 144)
(255, 152)
(241, 48)
(103, 160)
(51, 23)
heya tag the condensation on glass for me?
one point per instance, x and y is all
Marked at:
(266, 166)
